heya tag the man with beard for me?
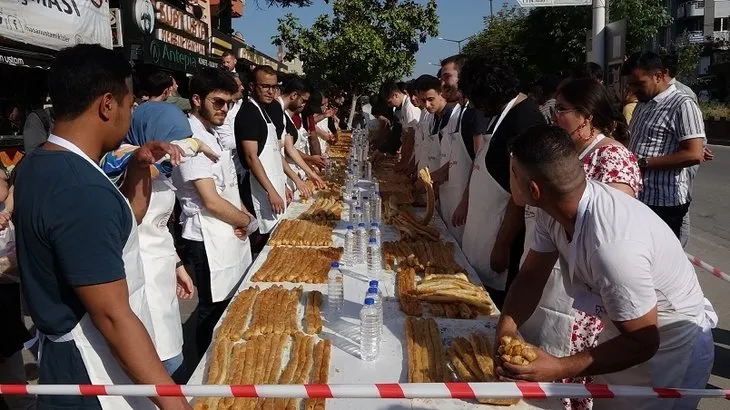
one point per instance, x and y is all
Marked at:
(264, 187)
(293, 99)
(465, 140)
(77, 239)
(668, 137)
(214, 223)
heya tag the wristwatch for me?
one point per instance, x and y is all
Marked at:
(643, 162)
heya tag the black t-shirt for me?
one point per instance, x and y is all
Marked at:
(291, 129)
(521, 117)
(473, 123)
(439, 124)
(250, 126)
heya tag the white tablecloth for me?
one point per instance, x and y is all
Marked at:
(391, 365)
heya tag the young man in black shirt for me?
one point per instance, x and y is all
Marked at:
(263, 190)
(494, 231)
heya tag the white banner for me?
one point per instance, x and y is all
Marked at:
(56, 24)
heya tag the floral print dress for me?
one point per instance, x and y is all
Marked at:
(610, 163)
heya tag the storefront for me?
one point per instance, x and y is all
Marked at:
(158, 33)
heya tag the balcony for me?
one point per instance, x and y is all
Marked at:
(721, 36)
(691, 9)
(696, 37)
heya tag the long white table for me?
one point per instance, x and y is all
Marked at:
(391, 365)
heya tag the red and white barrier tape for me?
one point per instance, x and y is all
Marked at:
(382, 391)
(706, 266)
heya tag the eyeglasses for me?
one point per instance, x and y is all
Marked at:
(560, 110)
(219, 103)
(268, 87)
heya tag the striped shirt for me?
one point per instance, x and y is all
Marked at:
(657, 128)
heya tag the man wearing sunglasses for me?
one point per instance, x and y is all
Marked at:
(263, 190)
(214, 222)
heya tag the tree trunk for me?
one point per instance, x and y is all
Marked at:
(355, 97)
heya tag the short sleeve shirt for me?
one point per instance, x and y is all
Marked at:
(71, 227)
(613, 163)
(521, 117)
(195, 168)
(250, 125)
(652, 269)
(473, 123)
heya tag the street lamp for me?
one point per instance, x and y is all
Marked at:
(458, 42)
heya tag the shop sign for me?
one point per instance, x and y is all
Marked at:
(176, 58)
(116, 25)
(56, 24)
(180, 29)
(256, 58)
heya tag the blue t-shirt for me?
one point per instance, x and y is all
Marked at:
(71, 227)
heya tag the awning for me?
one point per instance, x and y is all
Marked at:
(24, 58)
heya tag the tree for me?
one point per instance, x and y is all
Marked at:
(362, 44)
(644, 18)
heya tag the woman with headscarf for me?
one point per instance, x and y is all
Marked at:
(165, 275)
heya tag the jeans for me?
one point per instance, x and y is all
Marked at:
(209, 312)
(12, 371)
(672, 215)
(175, 367)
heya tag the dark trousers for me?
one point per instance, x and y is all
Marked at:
(672, 215)
(209, 312)
(258, 240)
(515, 255)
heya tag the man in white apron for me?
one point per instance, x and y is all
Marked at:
(619, 261)
(429, 90)
(214, 222)
(408, 116)
(265, 193)
(226, 131)
(293, 99)
(77, 243)
(493, 88)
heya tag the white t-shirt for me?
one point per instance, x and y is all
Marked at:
(194, 168)
(225, 131)
(410, 114)
(625, 257)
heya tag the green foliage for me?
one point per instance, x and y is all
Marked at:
(644, 18)
(545, 40)
(362, 43)
(715, 110)
(688, 56)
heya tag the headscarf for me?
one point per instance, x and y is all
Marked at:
(151, 121)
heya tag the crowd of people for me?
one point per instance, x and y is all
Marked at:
(572, 213)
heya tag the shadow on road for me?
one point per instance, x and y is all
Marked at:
(722, 353)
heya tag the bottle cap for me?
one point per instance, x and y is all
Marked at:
(335, 264)
(350, 227)
(374, 291)
(361, 225)
(373, 240)
(365, 198)
(357, 208)
(369, 301)
(373, 283)
(374, 225)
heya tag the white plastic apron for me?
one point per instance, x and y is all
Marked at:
(270, 158)
(432, 151)
(159, 258)
(228, 256)
(302, 145)
(420, 141)
(551, 324)
(682, 343)
(487, 204)
(460, 166)
(101, 365)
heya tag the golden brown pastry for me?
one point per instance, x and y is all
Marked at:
(513, 350)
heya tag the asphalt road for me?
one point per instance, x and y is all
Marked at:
(710, 241)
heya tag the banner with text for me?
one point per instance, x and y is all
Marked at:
(56, 24)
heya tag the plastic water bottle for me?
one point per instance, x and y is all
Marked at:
(335, 289)
(356, 216)
(361, 243)
(375, 233)
(377, 297)
(376, 208)
(369, 331)
(366, 210)
(348, 256)
(375, 258)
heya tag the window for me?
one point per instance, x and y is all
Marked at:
(721, 24)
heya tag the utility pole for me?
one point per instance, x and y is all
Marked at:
(598, 31)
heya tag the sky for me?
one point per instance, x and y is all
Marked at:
(458, 19)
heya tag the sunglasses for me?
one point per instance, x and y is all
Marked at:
(219, 103)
